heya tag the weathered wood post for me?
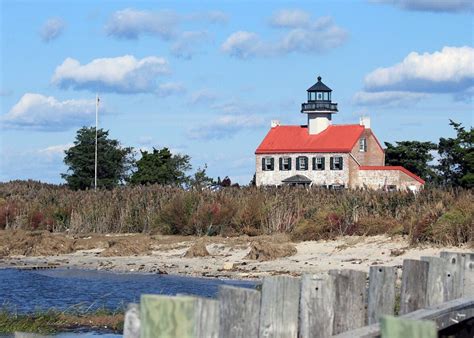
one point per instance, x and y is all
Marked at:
(468, 287)
(318, 293)
(414, 285)
(131, 323)
(438, 280)
(381, 297)
(239, 312)
(349, 307)
(455, 265)
(280, 305)
(394, 327)
(166, 316)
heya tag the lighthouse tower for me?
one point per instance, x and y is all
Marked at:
(319, 107)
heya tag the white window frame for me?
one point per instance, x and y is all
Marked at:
(319, 161)
(303, 162)
(337, 161)
(363, 145)
(285, 163)
(268, 163)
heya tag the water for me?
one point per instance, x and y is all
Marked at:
(27, 291)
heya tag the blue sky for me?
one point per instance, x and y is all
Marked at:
(206, 78)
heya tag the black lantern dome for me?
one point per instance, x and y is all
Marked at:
(319, 99)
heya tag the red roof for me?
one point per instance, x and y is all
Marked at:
(402, 169)
(295, 139)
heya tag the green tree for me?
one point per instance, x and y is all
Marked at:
(200, 181)
(113, 161)
(413, 155)
(456, 163)
(162, 167)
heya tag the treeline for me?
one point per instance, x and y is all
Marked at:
(454, 162)
(434, 215)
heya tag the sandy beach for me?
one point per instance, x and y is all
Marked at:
(237, 257)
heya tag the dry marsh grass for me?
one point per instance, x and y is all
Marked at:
(443, 216)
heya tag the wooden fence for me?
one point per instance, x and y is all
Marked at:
(342, 303)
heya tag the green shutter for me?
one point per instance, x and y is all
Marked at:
(365, 145)
(280, 163)
(263, 163)
(342, 162)
(289, 163)
(298, 164)
(323, 163)
(272, 163)
(314, 163)
(331, 163)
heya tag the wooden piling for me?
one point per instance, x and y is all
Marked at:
(165, 316)
(414, 285)
(438, 280)
(239, 312)
(455, 266)
(280, 305)
(349, 307)
(131, 323)
(381, 296)
(318, 293)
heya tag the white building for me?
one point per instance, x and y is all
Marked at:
(328, 155)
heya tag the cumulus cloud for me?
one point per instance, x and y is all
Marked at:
(225, 126)
(290, 18)
(56, 150)
(202, 96)
(452, 6)
(188, 43)
(301, 35)
(170, 88)
(124, 74)
(130, 23)
(390, 98)
(52, 29)
(449, 70)
(36, 111)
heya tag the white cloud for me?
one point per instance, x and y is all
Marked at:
(431, 5)
(170, 88)
(130, 23)
(56, 150)
(395, 98)
(188, 42)
(123, 74)
(52, 29)
(202, 96)
(448, 70)
(226, 126)
(290, 18)
(301, 35)
(36, 111)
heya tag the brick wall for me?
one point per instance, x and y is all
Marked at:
(374, 156)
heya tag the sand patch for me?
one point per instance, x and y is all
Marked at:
(127, 247)
(198, 249)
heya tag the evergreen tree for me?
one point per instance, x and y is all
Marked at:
(113, 161)
(413, 155)
(200, 180)
(456, 163)
(161, 167)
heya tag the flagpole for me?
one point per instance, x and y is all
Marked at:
(96, 126)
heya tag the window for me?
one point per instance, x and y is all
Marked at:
(363, 145)
(267, 164)
(285, 163)
(336, 163)
(302, 163)
(320, 96)
(318, 163)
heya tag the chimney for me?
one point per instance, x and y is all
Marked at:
(365, 121)
(275, 123)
